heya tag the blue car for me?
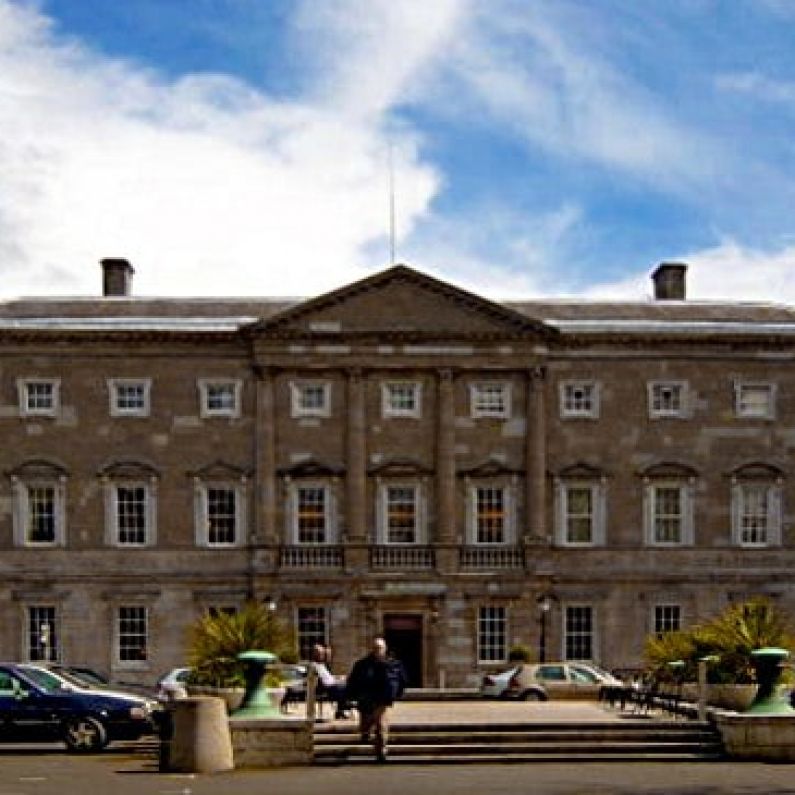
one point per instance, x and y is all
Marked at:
(33, 709)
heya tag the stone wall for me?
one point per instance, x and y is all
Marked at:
(271, 742)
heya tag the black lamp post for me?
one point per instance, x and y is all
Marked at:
(544, 606)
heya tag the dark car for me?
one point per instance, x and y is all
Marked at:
(32, 709)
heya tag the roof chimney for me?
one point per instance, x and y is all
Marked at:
(116, 277)
(669, 281)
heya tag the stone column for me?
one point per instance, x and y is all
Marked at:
(445, 459)
(266, 508)
(536, 457)
(356, 507)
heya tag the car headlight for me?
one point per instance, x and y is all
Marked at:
(139, 713)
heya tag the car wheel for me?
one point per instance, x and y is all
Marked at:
(532, 695)
(84, 735)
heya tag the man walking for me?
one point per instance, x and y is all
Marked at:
(375, 682)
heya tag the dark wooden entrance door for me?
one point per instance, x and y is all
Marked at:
(403, 636)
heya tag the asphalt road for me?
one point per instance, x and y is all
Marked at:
(131, 771)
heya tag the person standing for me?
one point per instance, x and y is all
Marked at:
(375, 682)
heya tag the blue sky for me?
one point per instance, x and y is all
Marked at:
(553, 147)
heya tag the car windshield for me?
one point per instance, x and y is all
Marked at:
(598, 671)
(44, 679)
(582, 675)
(85, 676)
(74, 678)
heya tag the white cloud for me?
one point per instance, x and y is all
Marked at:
(729, 272)
(759, 86)
(498, 252)
(206, 184)
(540, 76)
(388, 47)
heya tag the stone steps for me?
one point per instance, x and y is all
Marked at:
(450, 743)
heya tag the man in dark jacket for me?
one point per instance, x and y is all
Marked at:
(374, 683)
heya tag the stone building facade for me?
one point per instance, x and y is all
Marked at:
(398, 456)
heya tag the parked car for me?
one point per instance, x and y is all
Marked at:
(173, 685)
(35, 707)
(86, 676)
(82, 672)
(55, 675)
(542, 681)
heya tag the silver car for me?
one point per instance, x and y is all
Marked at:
(542, 681)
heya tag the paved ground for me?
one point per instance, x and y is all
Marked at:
(48, 770)
(499, 712)
(122, 774)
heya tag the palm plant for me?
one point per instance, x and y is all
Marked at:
(730, 638)
(215, 641)
(740, 629)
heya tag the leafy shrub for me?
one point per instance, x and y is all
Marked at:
(214, 641)
(520, 653)
(730, 638)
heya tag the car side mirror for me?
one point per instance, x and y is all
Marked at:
(21, 695)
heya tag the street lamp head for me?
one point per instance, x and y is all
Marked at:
(270, 604)
(545, 602)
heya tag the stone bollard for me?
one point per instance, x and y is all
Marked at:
(201, 741)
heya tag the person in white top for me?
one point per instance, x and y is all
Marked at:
(328, 684)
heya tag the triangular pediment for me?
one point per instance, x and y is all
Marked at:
(404, 304)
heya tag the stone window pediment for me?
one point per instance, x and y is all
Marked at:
(670, 470)
(490, 468)
(129, 470)
(312, 468)
(38, 469)
(399, 467)
(757, 470)
(581, 471)
(219, 471)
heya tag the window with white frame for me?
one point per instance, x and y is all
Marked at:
(491, 519)
(492, 634)
(38, 397)
(310, 399)
(43, 636)
(579, 399)
(754, 400)
(579, 632)
(129, 397)
(669, 513)
(667, 618)
(130, 513)
(756, 513)
(220, 514)
(401, 399)
(667, 399)
(39, 513)
(132, 634)
(219, 397)
(400, 513)
(581, 513)
(312, 629)
(311, 513)
(490, 399)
